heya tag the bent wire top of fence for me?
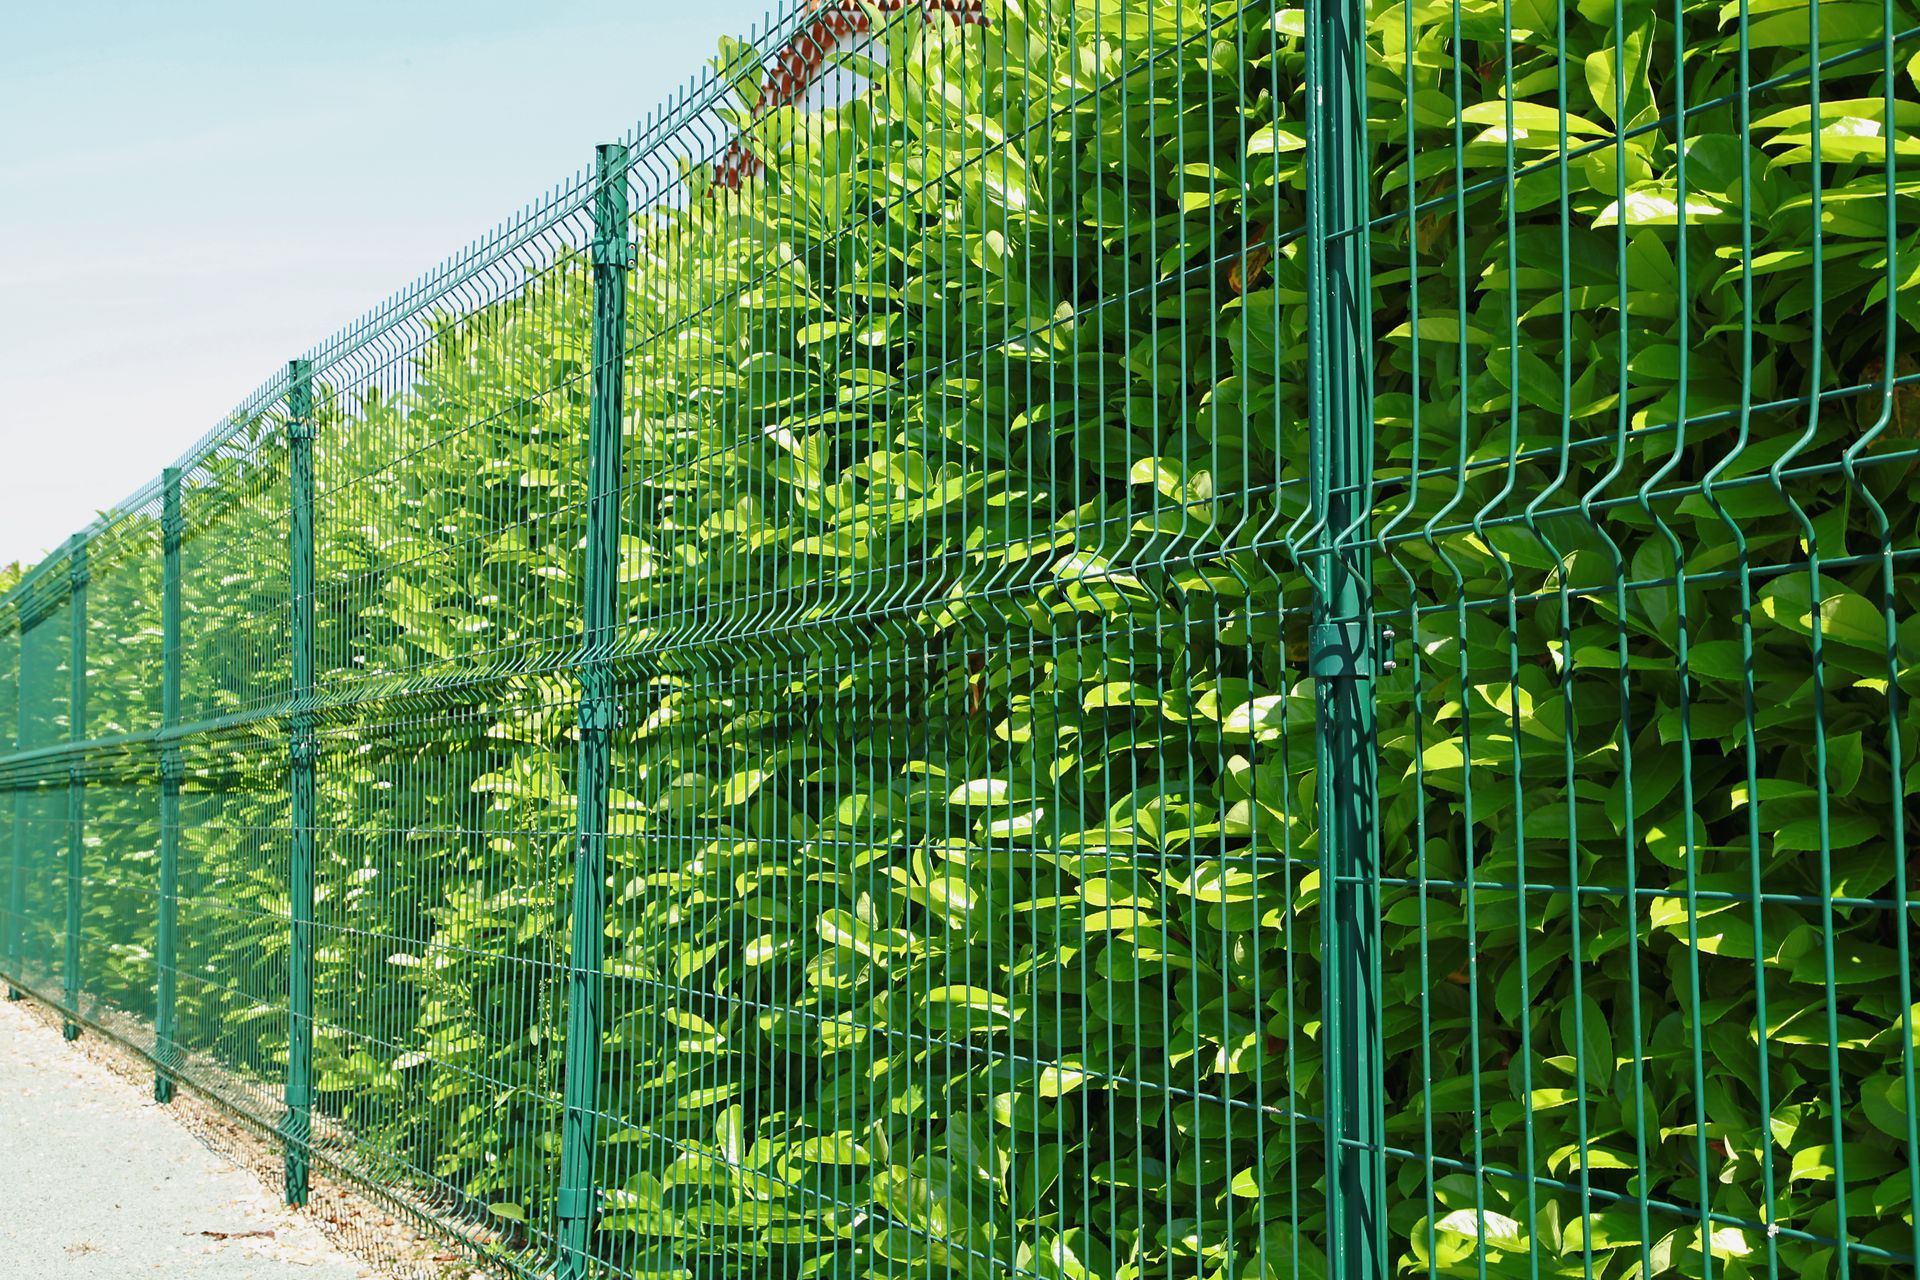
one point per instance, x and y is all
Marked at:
(1083, 639)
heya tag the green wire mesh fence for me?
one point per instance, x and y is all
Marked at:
(1083, 640)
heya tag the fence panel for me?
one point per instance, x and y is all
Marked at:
(1644, 500)
(450, 510)
(229, 901)
(119, 831)
(1076, 640)
(37, 887)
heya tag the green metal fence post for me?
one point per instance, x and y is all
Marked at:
(17, 869)
(1342, 648)
(612, 257)
(303, 753)
(76, 775)
(171, 775)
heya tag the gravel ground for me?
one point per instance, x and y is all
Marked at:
(96, 1180)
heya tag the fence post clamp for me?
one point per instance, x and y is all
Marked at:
(1339, 651)
(598, 712)
(614, 251)
(573, 1204)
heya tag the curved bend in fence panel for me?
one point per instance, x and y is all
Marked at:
(1062, 640)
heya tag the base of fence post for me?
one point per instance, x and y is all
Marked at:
(296, 1133)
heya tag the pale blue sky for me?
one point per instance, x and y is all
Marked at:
(193, 192)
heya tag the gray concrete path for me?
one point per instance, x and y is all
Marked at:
(96, 1180)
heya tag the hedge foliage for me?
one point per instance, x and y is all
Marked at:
(964, 909)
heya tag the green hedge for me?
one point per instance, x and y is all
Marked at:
(964, 907)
